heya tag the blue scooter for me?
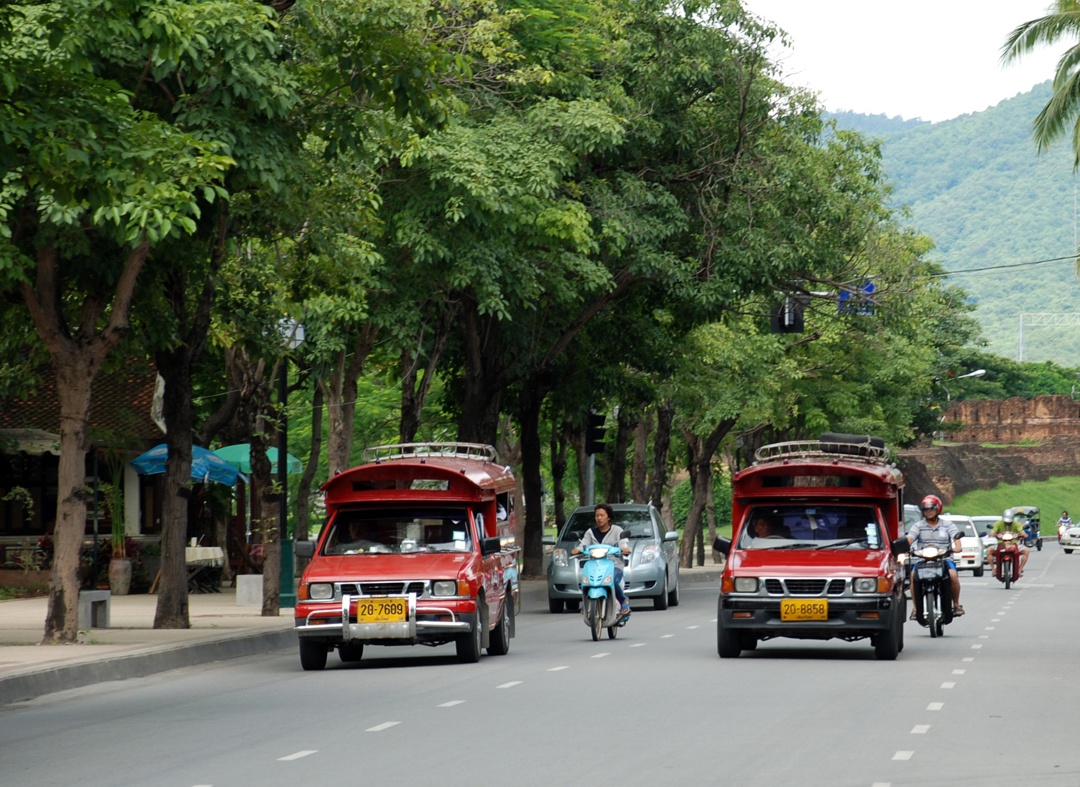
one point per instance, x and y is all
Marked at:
(599, 605)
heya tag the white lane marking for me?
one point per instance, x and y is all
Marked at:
(638, 645)
(968, 658)
(959, 671)
(990, 628)
(920, 729)
(557, 669)
(713, 620)
(601, 655)
(984, 636)
(948, 685)
(384, 726)
(667, 636)
(881, 784)
(297, 756)
(903, 755)
(976, 647)
(935, 706)
(995, 620)
(691, 628)
(509, 685)
(451, 703)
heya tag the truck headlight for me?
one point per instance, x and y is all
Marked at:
(864, 584)
(320, 591)
(746, 584)
(444, 587)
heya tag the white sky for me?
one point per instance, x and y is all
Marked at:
(929, 59)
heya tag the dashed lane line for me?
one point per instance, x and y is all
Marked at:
(509, 685)
(903, 755)
(300, 754)
(920, 729)
(384, 726)
(451, 703)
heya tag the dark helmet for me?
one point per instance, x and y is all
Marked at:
(931, 501)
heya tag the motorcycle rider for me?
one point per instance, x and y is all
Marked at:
(1064, 523)
(1007, 525)
(931, 530)
(607, 533)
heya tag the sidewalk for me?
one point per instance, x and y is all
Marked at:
(132, 648)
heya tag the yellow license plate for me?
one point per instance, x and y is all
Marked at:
(796, 609)
(382, 610)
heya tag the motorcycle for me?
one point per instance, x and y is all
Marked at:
(1007, 559)
(600, 607)
(1032, 537)
(931, 577)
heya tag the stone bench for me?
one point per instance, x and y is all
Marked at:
(94, 609)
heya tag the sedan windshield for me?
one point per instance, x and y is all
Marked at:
(399, 530)
(638, 524)
(800, 526)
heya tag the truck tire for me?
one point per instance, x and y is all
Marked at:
(469, 645)
(499, 644)
(351, 652)
(887, 643)
(312, 655)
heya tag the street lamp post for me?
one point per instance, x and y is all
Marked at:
(294, 335)
(948, 398)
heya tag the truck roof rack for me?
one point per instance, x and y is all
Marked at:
(478, 451)
(821, 449)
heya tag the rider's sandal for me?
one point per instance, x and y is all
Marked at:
(957, 612)
(914, 615)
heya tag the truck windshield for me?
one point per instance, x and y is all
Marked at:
(803, 525)
(399, 531)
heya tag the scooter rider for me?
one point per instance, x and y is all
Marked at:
(1007, 525)
(607, 533)
(931, 530)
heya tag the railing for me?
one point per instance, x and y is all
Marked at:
(382, 453)
(816, 449)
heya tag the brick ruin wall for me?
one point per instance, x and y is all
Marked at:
(1030, 439)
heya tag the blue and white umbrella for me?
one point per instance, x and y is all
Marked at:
(205, 465)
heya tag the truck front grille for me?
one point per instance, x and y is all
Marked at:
(382, 588)
(804, 587)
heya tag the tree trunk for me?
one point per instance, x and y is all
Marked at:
(415, 389)
(530, 401)
(77, 352)
(479, 419)
(639, 469)
(701, 451)
(560, 441)
(665, 418)
(626, 423)
(307, 478)
(341, 398)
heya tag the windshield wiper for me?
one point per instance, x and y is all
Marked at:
(845, 543)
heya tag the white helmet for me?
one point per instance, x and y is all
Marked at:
(1008, 516)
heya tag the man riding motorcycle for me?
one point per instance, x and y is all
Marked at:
(1007, 524)
(932, 530)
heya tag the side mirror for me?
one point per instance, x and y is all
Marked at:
(489, 546)
(304, 548)
(900, 546)
(671, 535)
(548, 540)
(722, 545)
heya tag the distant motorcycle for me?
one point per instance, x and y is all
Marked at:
(1007, 559)
(931, 575)
(600, 606)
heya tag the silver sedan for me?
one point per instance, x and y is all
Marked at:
(652, 568)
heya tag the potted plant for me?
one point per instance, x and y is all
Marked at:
(119, 563)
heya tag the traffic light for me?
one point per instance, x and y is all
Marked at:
(788, 316)
(594, 433)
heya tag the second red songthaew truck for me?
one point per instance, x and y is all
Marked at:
(816, 532)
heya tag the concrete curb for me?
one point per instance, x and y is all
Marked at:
(48, 680)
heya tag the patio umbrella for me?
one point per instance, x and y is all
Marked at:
(205, 464)
(239, 456)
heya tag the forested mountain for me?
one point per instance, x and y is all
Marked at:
(995, 208)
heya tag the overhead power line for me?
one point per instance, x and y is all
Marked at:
(1071, 257)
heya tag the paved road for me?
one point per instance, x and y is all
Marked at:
(654, 706)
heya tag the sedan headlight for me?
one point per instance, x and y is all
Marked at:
(650, 554)
(746, 584)
(558, 557)
(320, 591)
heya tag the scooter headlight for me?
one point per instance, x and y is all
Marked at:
(598, 552)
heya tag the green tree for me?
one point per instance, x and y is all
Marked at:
(1062, 21)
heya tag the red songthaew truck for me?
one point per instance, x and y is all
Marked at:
(417, 549)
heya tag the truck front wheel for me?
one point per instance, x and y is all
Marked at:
(727, 641)
(469, 645)
(313, 655)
